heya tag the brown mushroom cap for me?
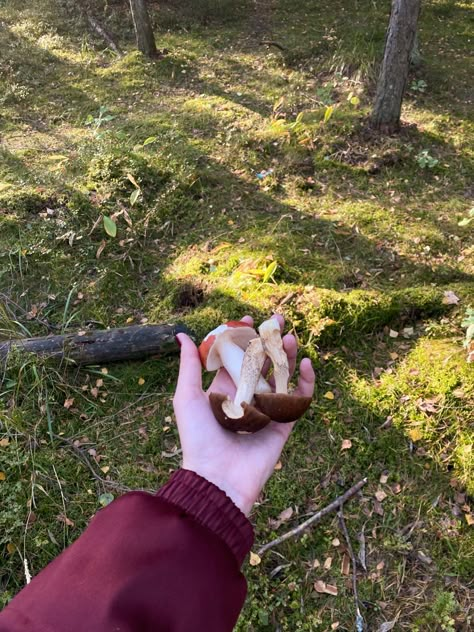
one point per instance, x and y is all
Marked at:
(282, 408)
(251, 421)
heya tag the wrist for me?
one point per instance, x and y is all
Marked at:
(240, 499)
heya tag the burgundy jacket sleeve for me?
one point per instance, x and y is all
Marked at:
(168, 562)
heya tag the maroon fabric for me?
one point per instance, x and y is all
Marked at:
(163, 563)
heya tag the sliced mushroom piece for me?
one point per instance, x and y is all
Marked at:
(225, 347)
(279, 406)
(239, 415)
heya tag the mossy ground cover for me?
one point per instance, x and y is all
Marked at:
(259, 189)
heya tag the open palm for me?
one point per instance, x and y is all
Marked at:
(239, 464)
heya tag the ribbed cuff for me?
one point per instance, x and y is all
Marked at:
(210, 507)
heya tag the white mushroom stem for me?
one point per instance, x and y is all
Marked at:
(253, 360)
(232, 357)
(272, 343)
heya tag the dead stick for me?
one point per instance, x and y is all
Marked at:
(100, 346)
(103, 34)
(84, 459)
(343, 527)
(334, 506)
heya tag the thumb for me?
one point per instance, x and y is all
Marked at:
(190, 370)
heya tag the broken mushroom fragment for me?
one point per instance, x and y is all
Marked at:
(239, 415)
(225, 347)
(279, 406)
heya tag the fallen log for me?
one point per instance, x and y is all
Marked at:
(100, 346)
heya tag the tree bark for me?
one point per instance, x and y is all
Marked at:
(396, 64)
(143, 29)
(101, 346)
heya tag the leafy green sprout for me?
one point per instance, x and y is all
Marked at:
(425, 160)
(418, 85)
(97, 121)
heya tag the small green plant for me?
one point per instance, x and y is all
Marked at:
(440, 615)
(97, 121)
(468, 219)
(418, 85)
(425, 160)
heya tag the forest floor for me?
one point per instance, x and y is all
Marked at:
(243, 179)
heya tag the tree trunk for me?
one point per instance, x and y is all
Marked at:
(396, 64)
(143, 29)
(100, 346)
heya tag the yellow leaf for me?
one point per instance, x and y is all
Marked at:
(11, 548)
(141, 381)
(254, 559)
(346, 444)
(4, 443)
(329, 395)
(104, 371)
(2, 476)
(105, 469)
(469, 519)
(415, 434)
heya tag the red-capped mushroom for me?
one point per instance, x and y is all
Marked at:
(238, 414)
(225, 347)
(279, 406)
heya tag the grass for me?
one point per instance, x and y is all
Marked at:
(348, 236)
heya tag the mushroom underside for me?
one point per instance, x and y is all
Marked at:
(252, 420)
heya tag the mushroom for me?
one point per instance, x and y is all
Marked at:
(239, 415)
(225, 347)
(279, 406)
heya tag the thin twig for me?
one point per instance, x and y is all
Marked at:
(49, 326)
(334, 506)
(342, 524)
(272, 43)
(81, 455)
(100, 30)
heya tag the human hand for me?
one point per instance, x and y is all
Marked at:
(239, 464)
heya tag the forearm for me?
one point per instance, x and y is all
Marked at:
(149, 563)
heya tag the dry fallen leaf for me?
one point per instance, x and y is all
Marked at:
(316, 563)
(346, 444)
(383, 478)
(99, 383)
(328, 563)
(393, 333)
(3, 477)
(450, 298)
(63, 518)
(4, 443)
(104, 371)
(394, 355)
(68, 403)
(278, 466)
(286, 514)
(322, 587)
(345, 564)
(11, 548)
(254, 559)
(469, 517)
(94, 392)
(336, 542)
(396, 488)
(380, 566)
(380, 495)
(335, 625)
(329, 395)
(141, 381)
(105, 469)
